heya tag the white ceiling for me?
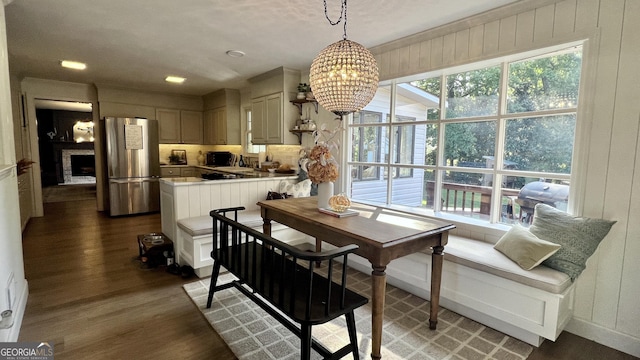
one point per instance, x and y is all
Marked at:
(136, 43)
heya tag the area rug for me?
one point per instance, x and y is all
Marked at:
(253, 334)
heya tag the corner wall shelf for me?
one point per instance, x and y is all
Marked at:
(299, 133)
(299, 102)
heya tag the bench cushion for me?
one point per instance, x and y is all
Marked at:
(203, 225)
(481, 255)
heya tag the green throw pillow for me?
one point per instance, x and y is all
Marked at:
(524, 248)
(578, 236)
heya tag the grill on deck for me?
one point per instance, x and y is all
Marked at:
(556, 195)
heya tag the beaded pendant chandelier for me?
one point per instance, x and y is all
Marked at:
(344, 76)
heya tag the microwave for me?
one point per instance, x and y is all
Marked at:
(218, 158)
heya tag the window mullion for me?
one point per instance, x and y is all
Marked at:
(392, 140)
(437, 189)
(496, 199)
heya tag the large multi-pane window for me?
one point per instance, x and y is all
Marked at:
(485, 142)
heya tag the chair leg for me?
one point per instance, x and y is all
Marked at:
(305, 342)
(353, 335)
(214, 280)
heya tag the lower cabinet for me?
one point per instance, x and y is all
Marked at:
(178, 171)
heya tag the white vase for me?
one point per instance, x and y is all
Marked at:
(325, 191)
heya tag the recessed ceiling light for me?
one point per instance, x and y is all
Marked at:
(235, 53)
(73, 65)
(175, 79)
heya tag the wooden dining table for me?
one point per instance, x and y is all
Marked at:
(381, 235)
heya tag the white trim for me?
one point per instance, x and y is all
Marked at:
(604, 336)
(11, 334)
(5, 171)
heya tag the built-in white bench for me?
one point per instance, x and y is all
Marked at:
(478, 281)
(195, 238)
(482, 284)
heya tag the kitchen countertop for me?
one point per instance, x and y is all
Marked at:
(256, 176)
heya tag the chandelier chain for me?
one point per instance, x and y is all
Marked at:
(343, 13)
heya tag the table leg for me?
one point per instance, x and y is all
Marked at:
(318, 249)
(436, 278)
(266, 226)
(379, 284)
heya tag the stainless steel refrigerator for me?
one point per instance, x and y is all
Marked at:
(133, 165)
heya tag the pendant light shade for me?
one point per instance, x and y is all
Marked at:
(344, 77)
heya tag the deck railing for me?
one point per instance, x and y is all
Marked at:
(471, 198)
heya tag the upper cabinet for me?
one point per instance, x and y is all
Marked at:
(267, 120)
(222, 117)
(269, 117)
(179, 126)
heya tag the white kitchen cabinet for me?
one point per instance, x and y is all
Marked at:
(222, 118)
(266, 119)
(191, 127)
(215, 127)
(179, 126)
(269, 116)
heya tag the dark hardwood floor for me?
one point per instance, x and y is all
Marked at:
(91, 299)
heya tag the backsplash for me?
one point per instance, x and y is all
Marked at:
(192, 151)
(284, 154)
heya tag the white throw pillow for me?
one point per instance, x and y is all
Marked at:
(526, 249)
(301, 189)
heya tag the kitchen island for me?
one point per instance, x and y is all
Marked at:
(191, 197)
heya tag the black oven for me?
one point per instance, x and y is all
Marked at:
(218, 158)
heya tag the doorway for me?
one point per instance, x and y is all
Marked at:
(66, 149)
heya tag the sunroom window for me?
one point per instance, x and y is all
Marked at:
(484, 142)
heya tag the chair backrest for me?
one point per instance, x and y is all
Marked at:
(281, 273)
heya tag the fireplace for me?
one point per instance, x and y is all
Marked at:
(83, 165)
(78, 166)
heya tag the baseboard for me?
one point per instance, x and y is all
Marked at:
(11, 334)
(601, 335)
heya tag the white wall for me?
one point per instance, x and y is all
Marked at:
(12, 278)
(606, 307)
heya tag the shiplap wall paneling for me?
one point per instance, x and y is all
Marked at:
(586, 15)
(507, 40)
(404, 59)
(525, 23)
(606, 55)
(476, 41)
(414, 58)
(436, 52)
(195, 194)
(565, 17)
(394, 62)
(449, 49)
(629, 311)
(425, 54)
(462, 45)
(205, 199)
(383, 65)
(491, 37)
(544, 23)
(620, 176)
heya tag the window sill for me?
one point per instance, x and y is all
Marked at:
(465, 226)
